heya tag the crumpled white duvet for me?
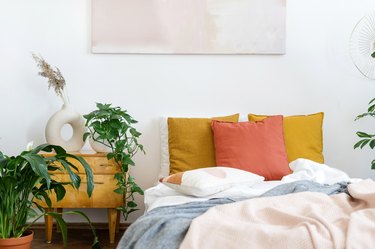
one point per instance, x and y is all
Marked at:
(307, 220)
(303, 169)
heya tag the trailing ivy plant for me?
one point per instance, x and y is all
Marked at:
(113, 127)
(366, 138)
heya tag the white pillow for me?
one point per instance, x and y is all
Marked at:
(164, 147)
(208, 181)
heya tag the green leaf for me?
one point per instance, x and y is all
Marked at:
(119, 191)
(134, 132)
(120, 144)
(121, 208)
(371, 108)
(125, 167)
(373, 164)
(38, 165)
(86, 135)
(372, 114)
(358, 144)
(128, 160)
(372, 144)
(131, 204)
(373, 55)
(118, 176)
(115, 123)
(363, 134)
(40, 193)
(59, 191)
(373, 100)
(103, 106)
(76, 180)
(137, 189)
(364, 143)
(95, 244)
(62, 225)
(88, 171)
(110, 155)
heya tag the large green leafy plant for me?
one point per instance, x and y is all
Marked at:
(367, 139)
(28, 176)
(113, 127)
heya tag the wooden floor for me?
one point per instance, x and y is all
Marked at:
(77, 239)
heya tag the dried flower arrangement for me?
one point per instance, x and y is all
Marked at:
(54, 76)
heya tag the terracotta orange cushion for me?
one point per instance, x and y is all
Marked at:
(257, 147)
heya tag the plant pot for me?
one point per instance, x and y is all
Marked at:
(23, 242)
(98, 147)
(67, 115)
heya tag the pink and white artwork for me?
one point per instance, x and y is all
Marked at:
(189, 26)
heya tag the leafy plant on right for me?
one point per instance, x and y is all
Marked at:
(114, 128)
(367, 139)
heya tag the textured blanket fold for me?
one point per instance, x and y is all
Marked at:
(165, 227)
(302, 220)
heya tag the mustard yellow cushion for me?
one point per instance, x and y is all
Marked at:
(303, 136)
(191, 144)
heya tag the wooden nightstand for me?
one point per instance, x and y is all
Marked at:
(102, 197)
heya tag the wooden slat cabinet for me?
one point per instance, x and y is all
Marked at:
(102, 196)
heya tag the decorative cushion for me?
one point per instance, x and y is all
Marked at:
(303, 136)
(257, 147)
(191, 144)
(164, 148)
(209, 181)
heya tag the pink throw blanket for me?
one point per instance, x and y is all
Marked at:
(302, 221)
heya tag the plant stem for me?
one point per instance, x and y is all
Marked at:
(64, 97)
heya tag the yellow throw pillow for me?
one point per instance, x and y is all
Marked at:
(303, 136)
(191, 144)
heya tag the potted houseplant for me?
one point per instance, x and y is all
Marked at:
(28, 176)
(113, 128)
(367, 139)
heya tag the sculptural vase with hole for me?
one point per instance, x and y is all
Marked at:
(67, 115)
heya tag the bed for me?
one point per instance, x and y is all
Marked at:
(326, 213)
(312, 206)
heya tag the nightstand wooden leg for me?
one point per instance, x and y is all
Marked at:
(58, 210)
(118, 221)
(112, 220)
(48, 220)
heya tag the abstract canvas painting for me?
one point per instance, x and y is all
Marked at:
(189, 26)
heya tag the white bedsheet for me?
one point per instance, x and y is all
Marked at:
(303, 169)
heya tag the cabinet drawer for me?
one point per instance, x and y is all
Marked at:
(98, 163)
(102, 196)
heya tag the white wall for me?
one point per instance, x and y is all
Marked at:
(316, 74)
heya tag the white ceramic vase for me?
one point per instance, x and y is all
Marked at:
(67, 115)
(98, 147)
